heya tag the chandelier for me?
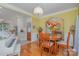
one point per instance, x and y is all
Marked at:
(38, 11)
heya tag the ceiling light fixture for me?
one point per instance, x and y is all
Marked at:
(38, 11)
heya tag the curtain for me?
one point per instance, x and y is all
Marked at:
(76, 39)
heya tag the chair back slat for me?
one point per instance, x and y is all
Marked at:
(68, 39)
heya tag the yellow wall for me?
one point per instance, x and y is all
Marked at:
(69, 19)
(78, 11)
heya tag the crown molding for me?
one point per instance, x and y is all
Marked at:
(14, 8)
(59, 12)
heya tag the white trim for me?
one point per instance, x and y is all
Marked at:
(11, 7)
(59, 12)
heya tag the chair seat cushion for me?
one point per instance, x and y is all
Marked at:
(64, 43)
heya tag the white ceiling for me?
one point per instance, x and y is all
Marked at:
(10, 14)
(47, 7)
(28, 7)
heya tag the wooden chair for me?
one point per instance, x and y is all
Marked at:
(54, 47)
(66, 45)
(44, 42)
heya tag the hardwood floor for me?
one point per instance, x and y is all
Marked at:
(33, 49)
(30, 49)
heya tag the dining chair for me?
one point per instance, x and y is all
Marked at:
(65, 46)
(44, 40)
(54, 47)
